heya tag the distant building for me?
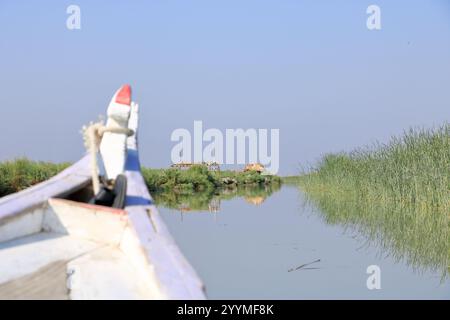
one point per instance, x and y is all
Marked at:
(212, 166)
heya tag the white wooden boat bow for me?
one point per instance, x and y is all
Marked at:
(55, 246)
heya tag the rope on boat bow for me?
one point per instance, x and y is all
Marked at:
(92, 136)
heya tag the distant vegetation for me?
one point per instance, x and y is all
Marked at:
(411, 170)
(199, 178)
(22, 173)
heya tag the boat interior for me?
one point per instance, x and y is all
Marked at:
(66, 248)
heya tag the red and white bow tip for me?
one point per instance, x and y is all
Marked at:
(124, 95)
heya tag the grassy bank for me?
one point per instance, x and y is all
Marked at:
(22, 173)
(199, 178)
(396, 195)
(410, 170)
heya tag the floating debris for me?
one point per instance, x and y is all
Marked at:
(305, 265)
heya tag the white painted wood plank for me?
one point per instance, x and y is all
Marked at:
(118, 279)
(25, 255)
(176, 276)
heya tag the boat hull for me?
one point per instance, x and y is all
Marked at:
(112, 250)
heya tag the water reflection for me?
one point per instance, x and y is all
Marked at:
(210, 200)
(264, 246)
(417, 235)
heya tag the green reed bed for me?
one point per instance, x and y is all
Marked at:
(412, 170)
(22, 173)
(199, 178)
(396, 195)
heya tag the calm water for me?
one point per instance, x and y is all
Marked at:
(246, 249)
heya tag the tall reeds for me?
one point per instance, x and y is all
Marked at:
(411, 170)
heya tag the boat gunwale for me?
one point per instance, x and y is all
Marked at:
(68, 181)
(176, 277)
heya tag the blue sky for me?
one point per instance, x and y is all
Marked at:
(310, 68)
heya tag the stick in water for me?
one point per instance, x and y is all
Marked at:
(304, 265)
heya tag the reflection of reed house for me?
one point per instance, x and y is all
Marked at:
(213, 206)
(256, 201)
